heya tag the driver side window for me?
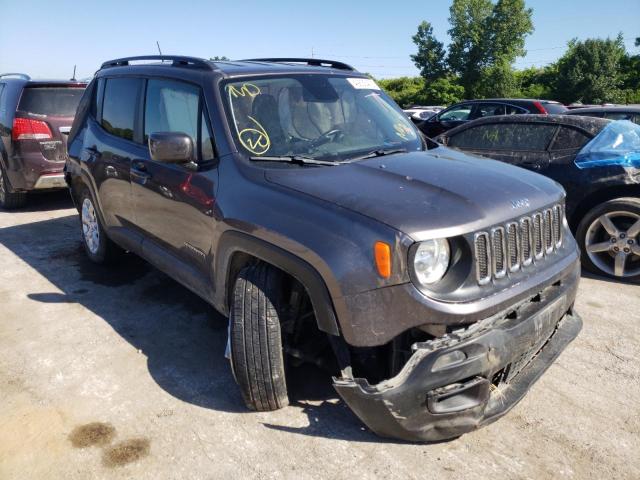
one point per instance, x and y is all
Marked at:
(173, 106)
(461, 112)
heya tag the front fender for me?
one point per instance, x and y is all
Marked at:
(233, 242)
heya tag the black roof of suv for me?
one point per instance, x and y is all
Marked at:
(296, 197)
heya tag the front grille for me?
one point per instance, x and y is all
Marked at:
(483, 261)
(537, 236)
(498, 248)
(515, 246)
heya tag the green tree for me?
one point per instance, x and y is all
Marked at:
(590, 71)
(219, 59)
(408, 91)
(430, 56)
(468, 50)
(535, 82)
(486, 38)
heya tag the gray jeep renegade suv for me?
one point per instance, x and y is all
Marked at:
(297, 198)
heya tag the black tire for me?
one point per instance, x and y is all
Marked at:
(10, 200)
(618, 208)
(256, 343)
(106, 251)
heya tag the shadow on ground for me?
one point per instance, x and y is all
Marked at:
(593, 276)
(47, 201)
(182, 336)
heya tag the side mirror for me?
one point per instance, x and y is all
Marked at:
(171, 147)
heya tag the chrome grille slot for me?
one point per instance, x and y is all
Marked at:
(498, 252)
(507, 248)
(513, 247)
(527, 241)
(538, 250)
(483, 259)
(558, 218)
(548, 231)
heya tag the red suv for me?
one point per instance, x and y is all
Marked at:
(35, 119)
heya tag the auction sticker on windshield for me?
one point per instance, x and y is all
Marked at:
(363, 83)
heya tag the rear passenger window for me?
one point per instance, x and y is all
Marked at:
(513, 110)
(171, 107)
(569, 138)
(488, 110)
(119, 106)
(619, 115)
(505, 136)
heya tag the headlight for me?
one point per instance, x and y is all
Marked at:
(431, 261)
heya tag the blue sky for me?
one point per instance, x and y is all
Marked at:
(45, 39)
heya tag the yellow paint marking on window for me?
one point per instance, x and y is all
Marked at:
(402, 130)
(256, 140)
(246, 89)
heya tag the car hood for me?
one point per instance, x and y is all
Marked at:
(435, 193)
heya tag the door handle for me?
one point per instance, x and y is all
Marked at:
(92, 153)
(139, 172)
(111, 171)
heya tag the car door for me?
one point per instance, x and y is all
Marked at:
(566, 144)
(174, 202)
(108, 150)
(521, 144)
(447, 119)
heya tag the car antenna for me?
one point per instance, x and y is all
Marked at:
(73, 77)
(158, 44)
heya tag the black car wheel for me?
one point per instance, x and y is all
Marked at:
(98, 247)
(256, 343)
(10, 200)
(609, 237)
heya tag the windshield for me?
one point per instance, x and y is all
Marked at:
(316, 116)
(55, 101)
(617, 144)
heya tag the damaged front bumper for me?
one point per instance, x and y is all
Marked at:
(469, 378)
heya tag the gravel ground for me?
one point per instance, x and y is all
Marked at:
(119, 373)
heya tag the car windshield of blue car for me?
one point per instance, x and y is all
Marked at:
(321, 117)
(618, 144)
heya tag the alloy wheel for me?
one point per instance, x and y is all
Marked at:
(90, 226)
(3, 192)
(612, 243)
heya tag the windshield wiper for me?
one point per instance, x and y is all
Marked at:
(377, 153)
(295, 159)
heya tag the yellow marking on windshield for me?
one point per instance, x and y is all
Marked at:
(402, 130)
(246, 89)
(256, 140)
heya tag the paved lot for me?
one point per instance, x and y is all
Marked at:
(139, 359)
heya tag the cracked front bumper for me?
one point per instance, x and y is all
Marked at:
(469, 378)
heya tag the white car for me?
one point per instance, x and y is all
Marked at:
(420, 113)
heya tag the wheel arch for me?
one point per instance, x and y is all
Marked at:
(600, 196)
(236, 249)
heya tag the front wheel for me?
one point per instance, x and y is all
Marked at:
(609, 237)
(98, 247)
(256, 343)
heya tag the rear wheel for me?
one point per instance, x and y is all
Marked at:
(256, 342)
(98, 247)
(609, 236)
(10, 200)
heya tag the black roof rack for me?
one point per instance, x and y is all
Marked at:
(176, 61)
(21, 75)
(315, 62)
